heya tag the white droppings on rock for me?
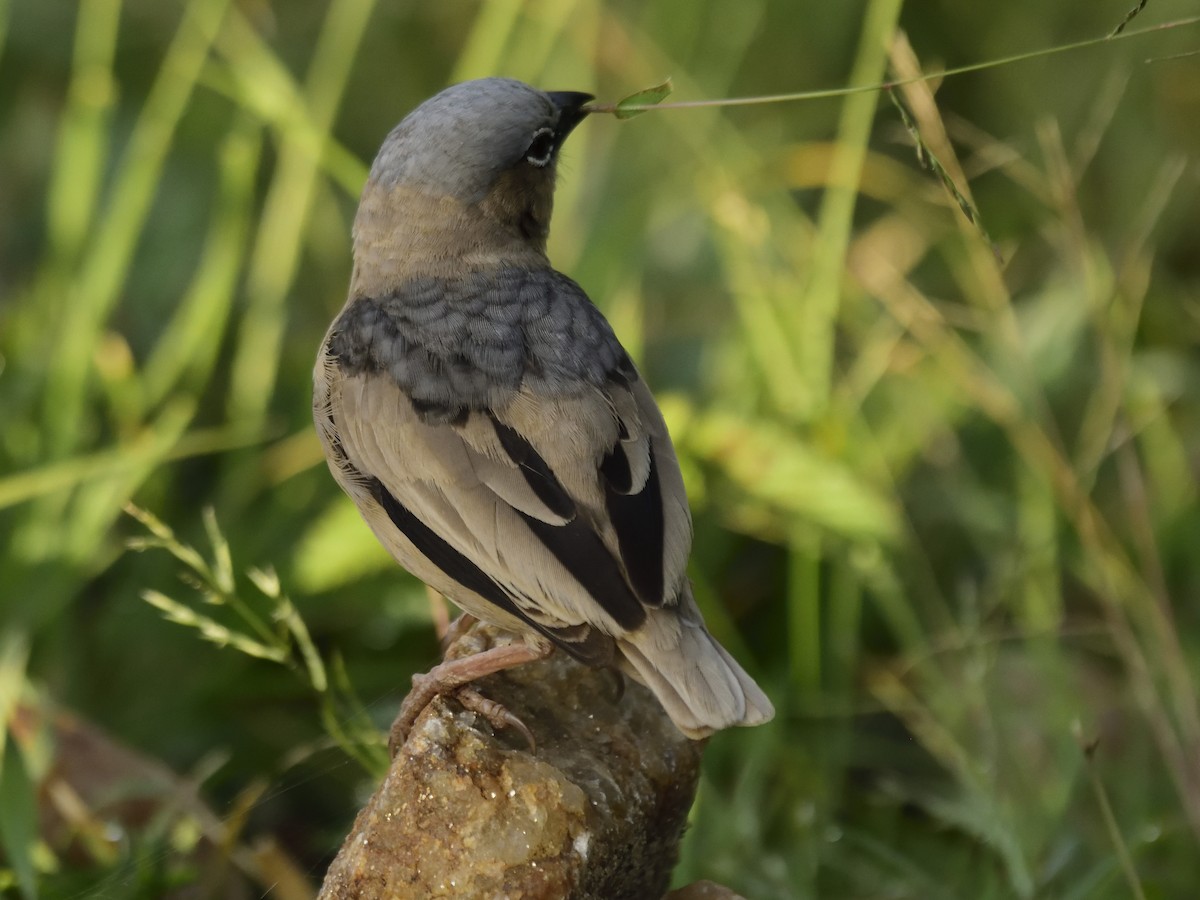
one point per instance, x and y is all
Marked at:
(582, 841)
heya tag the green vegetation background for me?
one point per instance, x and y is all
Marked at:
(945, 493)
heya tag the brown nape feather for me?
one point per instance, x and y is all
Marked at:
(521, 201)
(401, 232)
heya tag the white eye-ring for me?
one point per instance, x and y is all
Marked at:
(541, 148)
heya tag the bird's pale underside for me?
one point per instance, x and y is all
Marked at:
(492, 431)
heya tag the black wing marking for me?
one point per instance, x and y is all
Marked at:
(584, 643)
(537, 472)
(574, 544)
(584, 555)
(432, 412)
(638, 519)
(615, 469)
(639, 524)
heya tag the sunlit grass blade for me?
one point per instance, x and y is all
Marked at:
(98, 503)
(58, 478)
(484, 47)
(331, 552)
(83, 139)
(106, 262)
(791, 476)
(186, 352)
(820, 297)
(210, 629)
(277, 244)
(537, 45)
(264, 87)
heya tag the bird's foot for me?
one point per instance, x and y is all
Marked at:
(451, 676)
(497, 715)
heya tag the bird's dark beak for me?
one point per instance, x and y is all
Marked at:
(570, 110)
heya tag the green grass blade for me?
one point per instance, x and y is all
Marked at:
(185, 354)
(96, 289)
(19, 820)
(804, 614)
(285, 215)
(18, 803)
(490, 32)
(57, 478)
(83, 138)
(5, 12)
(821, 297)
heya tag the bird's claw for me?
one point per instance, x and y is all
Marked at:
(495, 713)
(452, 676)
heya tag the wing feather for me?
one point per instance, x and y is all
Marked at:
(536, 556)
(562, 483)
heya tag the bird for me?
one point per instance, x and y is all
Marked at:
(494, 434)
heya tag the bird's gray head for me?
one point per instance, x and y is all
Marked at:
(460, 141)
(475, 163)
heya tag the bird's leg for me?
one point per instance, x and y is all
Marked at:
(448, 631)
(456, 629)
(440, 614)
(453, 674)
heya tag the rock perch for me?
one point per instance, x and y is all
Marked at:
(596, 812)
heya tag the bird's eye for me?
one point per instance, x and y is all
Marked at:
(541, 148)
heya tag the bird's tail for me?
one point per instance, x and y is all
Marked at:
(701, 687)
